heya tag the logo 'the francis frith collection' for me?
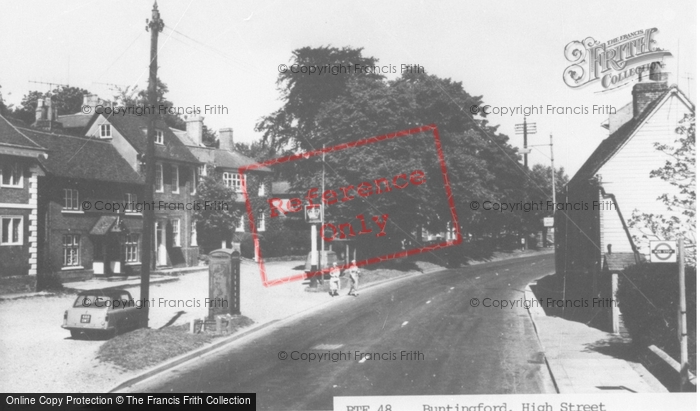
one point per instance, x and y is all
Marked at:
(613, 62)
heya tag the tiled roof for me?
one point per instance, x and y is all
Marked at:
(618, 261)
(132, 126)
(11, 135)
(83, 158)
(78, 120)
(609, 146)
(223, 158)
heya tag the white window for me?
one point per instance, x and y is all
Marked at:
(11, 174)
(261, 220)
(130, 200)
(159, 136)
(71, 250)
(105, 131)
(11, 230)
(235, 181)
(159, 178)
(241, 224)
(176, 179)
(195, 181)
(193, 234)
(131, 248)
(176, 232)
(203, 170)
(70, 199)
(261, 189)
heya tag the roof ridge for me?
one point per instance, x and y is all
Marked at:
(66, 135)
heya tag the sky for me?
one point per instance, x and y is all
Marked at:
(227, 53)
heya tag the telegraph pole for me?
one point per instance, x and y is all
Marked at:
(683, 325)
(155, 26)
(525, 129)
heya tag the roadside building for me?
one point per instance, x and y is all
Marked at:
(596, 240)
(175, 237)
(19, 173)
(224, 163)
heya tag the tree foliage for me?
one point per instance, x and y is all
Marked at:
(215, 222)
(328, 110)
(67, 100)
(679, 172)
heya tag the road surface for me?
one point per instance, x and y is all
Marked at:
(449, 346)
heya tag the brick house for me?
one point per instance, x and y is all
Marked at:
(19, 173)
(594, 244)
(175, 238)
(224, 162)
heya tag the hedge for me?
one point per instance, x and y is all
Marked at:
(648, 297)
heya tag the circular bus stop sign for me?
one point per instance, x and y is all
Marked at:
(663, 251)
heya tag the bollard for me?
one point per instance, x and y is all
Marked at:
(192, 322)
(218, 324)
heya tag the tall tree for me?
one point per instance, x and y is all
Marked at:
(330, 110)
(67, 100)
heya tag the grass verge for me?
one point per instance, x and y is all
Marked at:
(145, 348)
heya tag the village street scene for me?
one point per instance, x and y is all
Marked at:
(302, 205)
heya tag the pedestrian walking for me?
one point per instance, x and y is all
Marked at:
(354, 273)
(335, 280)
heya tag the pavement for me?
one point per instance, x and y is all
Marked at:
(586, 360)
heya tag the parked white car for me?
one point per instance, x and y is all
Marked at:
(102, 312)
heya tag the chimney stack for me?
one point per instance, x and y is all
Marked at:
(195, 126)
(226, 139)
(645, 93)
(40, 110)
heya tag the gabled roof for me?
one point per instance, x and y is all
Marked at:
(609, 146)
(132, 128)
(15, 141)
(82, 158)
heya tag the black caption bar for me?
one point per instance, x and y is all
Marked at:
(238, 402)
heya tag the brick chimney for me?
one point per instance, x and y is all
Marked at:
(226, 139)
(40, 110)
(92, 100)
(645, 93)
(195, 126)
(46, 115)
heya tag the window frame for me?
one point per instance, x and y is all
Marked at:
(260, 220)
(159, 137)
(236, 179)
(105, 130)
(193, 234)
(132, 253)
(175, 179)
(74, 199)
(14, 167)
(176, 240)
(20, 230)
(74, 244)
(159, 180)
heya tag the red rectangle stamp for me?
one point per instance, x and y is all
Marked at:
(377, 213)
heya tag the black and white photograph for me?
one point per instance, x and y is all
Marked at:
(412, 205)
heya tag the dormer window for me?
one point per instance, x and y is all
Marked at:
(105, 131)
(159, 136)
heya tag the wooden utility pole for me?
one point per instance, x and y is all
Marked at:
(683, 325)
(155, 26)
(525, 129)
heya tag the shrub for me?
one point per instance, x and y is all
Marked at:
(648, 296)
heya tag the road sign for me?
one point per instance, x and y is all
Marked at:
(663, 251)
(548, 221)
(313, 213)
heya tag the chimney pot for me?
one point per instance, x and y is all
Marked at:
(226, 139)
(195, 126)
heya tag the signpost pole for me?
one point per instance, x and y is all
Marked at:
(682, 326)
